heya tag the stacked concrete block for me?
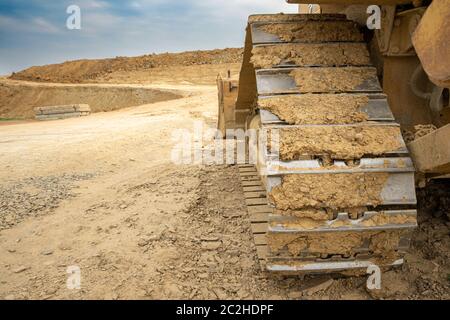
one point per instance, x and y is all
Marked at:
(62, 112)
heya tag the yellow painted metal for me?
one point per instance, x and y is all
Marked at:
(431, 153)
(409, 110)
(432, 42)
(227, 90)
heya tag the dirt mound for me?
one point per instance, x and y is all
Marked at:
(19, 100)
(185, 75)
(83, 71)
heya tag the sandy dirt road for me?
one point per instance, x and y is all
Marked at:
(101, 193)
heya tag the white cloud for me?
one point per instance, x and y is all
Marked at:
(32, 25)
(231, 10)
(92, 4)
(219, 7)
(42, 25)
(97, 22)
(136, 4)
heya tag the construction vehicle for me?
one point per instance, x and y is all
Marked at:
(337, 194)
(227, 90)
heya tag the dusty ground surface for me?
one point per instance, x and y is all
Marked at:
(101, 193)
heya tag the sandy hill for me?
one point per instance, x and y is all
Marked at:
(85, 71)
(82, 81)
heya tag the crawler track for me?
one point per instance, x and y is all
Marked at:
(338, 193)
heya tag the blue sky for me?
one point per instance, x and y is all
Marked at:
(33, 32)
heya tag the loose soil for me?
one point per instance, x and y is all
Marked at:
(417, 132)
(423, 130)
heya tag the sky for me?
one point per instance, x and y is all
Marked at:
(34, 32)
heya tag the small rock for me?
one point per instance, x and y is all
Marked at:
(111, 296)
(47, 252)
(21, 269)
(143, 242)
(324, 285)
(172, 291)
(64, 247)
(220, 293)
(392, 284)
(353, 296)
(209, 238)
(295, 295)
(11, 250)
(359, 137)
(211, 245)
(51, 291)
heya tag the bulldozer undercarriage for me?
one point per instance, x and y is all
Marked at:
(339, 193)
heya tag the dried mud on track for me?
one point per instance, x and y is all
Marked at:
(317, 109)
(140, 227)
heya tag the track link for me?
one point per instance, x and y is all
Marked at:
(338, 192)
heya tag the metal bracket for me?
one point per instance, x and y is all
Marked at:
(395, 36)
